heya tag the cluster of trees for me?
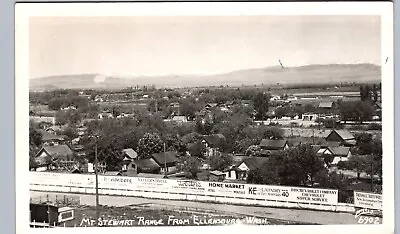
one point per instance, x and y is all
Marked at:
(68, 117)
(191, 165)
(35, 141)
(367, 156)
(359, 111)
(368, 93)
(44, 97)
(191, 105)
(293, 110)
(238, 130)
(221, 95)
(297, 166)
(56, 103)
(146, 133)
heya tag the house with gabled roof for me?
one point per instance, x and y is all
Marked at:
(113, 173)
(343, 136)
(213, 143)
(233, 172)
(130, 154)
(335, 154)
(243, 168)
(268, 144)
(326, 105)
(216, 175)
(166, 161)
(148, 165)
(53, 157)
(341, 153)
(52, 139)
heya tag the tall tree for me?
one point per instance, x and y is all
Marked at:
(362, 93)
(221, 161)
(300, 165)
(149, 144)
(358, 163)
(375, 93)
(367, 93)
(189, 165)
(261, 105)
(356, 111)
(35, 137)
(263, 176)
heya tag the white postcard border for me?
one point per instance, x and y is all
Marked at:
(26, 10)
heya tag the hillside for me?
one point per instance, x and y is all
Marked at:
(334, 73)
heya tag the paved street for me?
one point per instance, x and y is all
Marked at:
(309, 216)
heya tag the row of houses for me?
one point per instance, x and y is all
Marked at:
(60, 156)
(336, 145)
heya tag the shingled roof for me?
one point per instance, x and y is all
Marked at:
(340, 150)
(344, 134)
(268, 144)
(215, 140)
(165, 157)
(325, 105)
(130, 153)
(47, 136)
(146, 164)
(254, 162)
(54, 152)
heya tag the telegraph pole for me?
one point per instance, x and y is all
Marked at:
(165, 162)
(372, 177)
(97, 182)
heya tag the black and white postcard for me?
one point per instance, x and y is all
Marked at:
(182, 117)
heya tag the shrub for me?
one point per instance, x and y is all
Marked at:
(374, 126)
(357, 127)
(343, 165)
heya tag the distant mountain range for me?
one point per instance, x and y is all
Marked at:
(333, 73)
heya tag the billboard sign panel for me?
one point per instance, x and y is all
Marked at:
(293, 194)
(368, 200)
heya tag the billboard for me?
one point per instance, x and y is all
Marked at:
(226, 189)
(151, 184)
(205, 188)
(368, 200)
(188, 187)
(293, 194)
(116, 182)
(60, 179)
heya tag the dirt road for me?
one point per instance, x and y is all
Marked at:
(307, 216)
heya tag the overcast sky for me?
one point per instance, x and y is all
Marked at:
(197, 45)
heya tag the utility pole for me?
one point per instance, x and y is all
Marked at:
(313, 135)
(97, 182)
(372, 176)
(156, 104)
(165, 162)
